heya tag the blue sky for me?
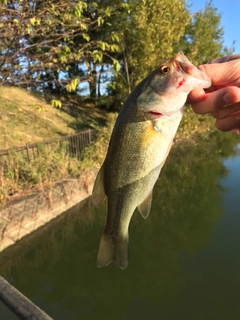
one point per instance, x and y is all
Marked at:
(230, 21)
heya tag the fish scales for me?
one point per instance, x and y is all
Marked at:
(139, 145)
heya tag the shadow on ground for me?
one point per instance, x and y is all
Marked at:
(85, 112)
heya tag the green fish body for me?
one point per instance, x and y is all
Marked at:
(139, 145)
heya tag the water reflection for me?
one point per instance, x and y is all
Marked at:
(171, 261)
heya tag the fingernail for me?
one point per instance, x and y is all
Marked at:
(227, 98)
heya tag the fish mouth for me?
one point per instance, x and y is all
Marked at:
(183, 65)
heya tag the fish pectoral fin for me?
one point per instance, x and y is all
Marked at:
(112, 250)
(145, 207)
(98, 193)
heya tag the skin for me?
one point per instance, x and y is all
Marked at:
(222, 99)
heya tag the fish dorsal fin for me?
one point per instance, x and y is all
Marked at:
(145, 207)
(98, 194)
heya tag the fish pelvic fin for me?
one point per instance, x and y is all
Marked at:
(98, 194)
(112, 249)
(145, 207)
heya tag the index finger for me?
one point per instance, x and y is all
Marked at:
(217, 100)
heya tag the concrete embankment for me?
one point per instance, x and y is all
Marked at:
(22, 216)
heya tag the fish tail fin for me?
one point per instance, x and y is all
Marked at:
(105, 251)
(121, 253)
(112, 250)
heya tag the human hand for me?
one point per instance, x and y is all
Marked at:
(222, 99)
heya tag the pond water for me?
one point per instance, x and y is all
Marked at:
(184, 259)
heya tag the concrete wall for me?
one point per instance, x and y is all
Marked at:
(22, 216)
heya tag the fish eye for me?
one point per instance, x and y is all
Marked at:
(164, 69)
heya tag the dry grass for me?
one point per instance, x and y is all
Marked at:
(27, 117)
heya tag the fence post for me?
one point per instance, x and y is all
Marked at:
(28, 153)
(89, 135)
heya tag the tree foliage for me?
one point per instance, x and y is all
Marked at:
(150, 34)
(41, 40)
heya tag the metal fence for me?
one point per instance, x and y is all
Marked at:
(73, 144)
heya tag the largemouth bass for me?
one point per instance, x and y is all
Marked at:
(139, 145)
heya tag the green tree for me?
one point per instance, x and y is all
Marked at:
(150, 33)
(41, 40)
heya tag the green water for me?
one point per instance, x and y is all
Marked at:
(184, 259)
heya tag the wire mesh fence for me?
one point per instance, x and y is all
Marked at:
(43, 161)
(72, 144)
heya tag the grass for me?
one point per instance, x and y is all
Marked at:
(27, 117)
(17, 175)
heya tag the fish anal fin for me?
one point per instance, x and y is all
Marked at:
(112, 249)
(145, 207)
(98, 193)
